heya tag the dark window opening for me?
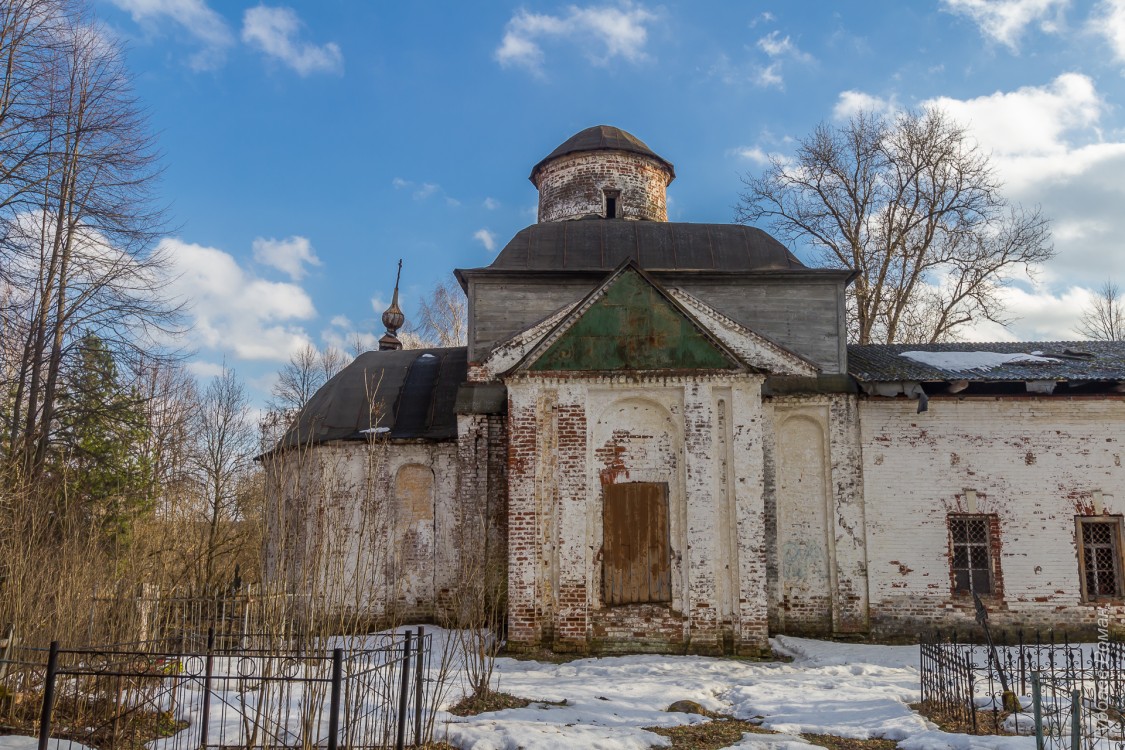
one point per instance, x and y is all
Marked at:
(1100, 558)
(611, 197)
(636, 551)
(970, 561)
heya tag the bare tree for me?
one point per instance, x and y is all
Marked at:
(914, 207)
(1104, 318)
(305, 372)
(442, 318)
(78, 246)
(224, 444)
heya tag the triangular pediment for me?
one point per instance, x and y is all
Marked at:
(629, 323)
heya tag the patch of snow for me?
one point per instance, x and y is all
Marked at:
(375, 430)
(981, 361)
(23, 742)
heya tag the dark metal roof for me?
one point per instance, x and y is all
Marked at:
(410, 393)
(602, 138)
(1074, 360)
(603, 244)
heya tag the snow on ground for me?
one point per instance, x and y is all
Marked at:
(849, 690)
(23, 742)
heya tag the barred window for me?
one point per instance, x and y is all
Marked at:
(1100, 557)
(970, 563)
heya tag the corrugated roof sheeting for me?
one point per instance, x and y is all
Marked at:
(1074, 361)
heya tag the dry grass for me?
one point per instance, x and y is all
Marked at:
(493, 700)
(843, 743)
(988, 723)
(708, 735)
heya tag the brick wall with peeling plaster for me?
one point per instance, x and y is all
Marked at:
(816, 547)
(383, 518)
(572, 186)
(1034, 462)
(702, 436)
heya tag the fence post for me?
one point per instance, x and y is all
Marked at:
(208, 675)
(400, 740)
(1037, 709)
(48, 695)
(419, 687)
(1076, 720)
(334, 705)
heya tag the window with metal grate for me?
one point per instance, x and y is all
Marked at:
(970, 559)
(1100, 557)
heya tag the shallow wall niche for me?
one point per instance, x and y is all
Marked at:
(804, 559)
(414, 532)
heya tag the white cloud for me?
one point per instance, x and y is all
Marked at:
(1038, 133)
(273, 32)
(342, 335)
(774, 45)
(205, 370)
(1108, 20)
(424, 190)
(779, 49)
(764, 17)
(752, 153)
(769, 76)
(233, 312)
(1005, 20)
(491, 204)
(195, 17)
(1040, 315)
(1048, 146)
(289, 255)
(603, 32)
(486, 238)
(851, 103)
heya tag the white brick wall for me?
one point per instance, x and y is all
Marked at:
(1034, 462)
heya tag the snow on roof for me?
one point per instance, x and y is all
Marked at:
(994, 361)
(971, 360)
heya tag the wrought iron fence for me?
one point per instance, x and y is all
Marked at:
(1027, 686)
(356, 692)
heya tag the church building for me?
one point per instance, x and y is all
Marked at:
(658, 438)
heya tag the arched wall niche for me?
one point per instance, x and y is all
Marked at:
(804, 550)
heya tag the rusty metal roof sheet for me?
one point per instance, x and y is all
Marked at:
(405, 394)
(1072, 361)
(602, 138)
(603, 244)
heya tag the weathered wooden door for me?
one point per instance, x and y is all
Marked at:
(636, 553)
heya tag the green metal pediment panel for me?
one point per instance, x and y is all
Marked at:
(633, 326)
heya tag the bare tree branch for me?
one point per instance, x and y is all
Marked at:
(911, 205)
(1104, 318)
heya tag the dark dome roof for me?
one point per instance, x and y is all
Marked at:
(407, 393)
(602, 138)
(602, 244)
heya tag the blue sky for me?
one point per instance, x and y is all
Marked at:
(309, 145)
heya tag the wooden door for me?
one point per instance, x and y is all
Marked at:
(636, 552)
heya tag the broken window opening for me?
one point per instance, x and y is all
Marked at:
(636, 547)
(1099, 558)
(970, 559)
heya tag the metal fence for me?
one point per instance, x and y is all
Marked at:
(357, 692)
(1028, 686)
